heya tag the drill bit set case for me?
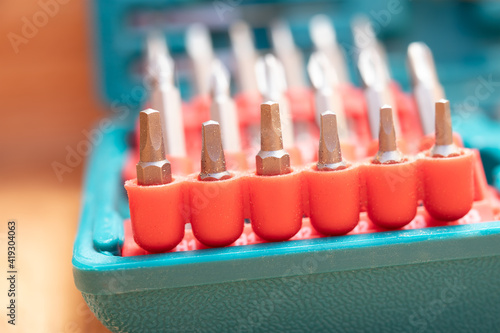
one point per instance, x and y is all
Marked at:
(409, 246)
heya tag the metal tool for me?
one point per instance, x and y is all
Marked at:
(272, 86)
(223, 109)
(164, 95)
(376, 88)
(426, 87)
(329, 153)
(200, 50)
(324, 39)
(326, 94)
(388, 152)
(153, 168)
(242, 44)
(213, 163)
(444, 145)
(288, 53)
(272, 159)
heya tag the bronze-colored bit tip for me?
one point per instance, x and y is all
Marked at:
(213, 163)
(388, 152)
(329, 155)
(444, 146)
(153, 168)
(272, 159)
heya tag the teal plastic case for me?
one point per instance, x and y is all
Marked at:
(442, 279)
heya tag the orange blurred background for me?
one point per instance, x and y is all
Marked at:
(48, 99)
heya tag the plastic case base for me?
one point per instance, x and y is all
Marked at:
(440, 279)
(444, 296)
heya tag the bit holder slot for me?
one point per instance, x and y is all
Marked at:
(216, 209)
(158, 214)
(385, 195)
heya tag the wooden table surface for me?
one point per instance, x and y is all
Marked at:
(47, 100)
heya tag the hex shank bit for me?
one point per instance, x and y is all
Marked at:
(153, 168)
(272, 159)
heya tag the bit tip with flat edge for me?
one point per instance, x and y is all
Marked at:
(421, 64)
(388, 152)
(159, 64)
(444, 145)
(272, 159)
(213, 162)
(153, 168)
(219, 79)
(271, 78)
(329, 154)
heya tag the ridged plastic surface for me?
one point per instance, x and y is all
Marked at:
(452, 296)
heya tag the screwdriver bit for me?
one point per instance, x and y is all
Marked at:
(329, 154)
(200, 50)
(164, 95)
(245, 54)
(376, 88)
(388, 152)
(272, 159)
(324, 38)
(153, 168)
(326, 94)
(223, 108)
(159, 63)
(272, 85)
(365, 38)
(288, 53)
(426, 87)
(444, 145)
(213, 162)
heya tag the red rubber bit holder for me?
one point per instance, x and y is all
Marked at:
(391, 193)
(216, 210)
(236, 161)
(333, 199)
(157, 214)
(276, 205)
(481, 187)
(448, 185)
